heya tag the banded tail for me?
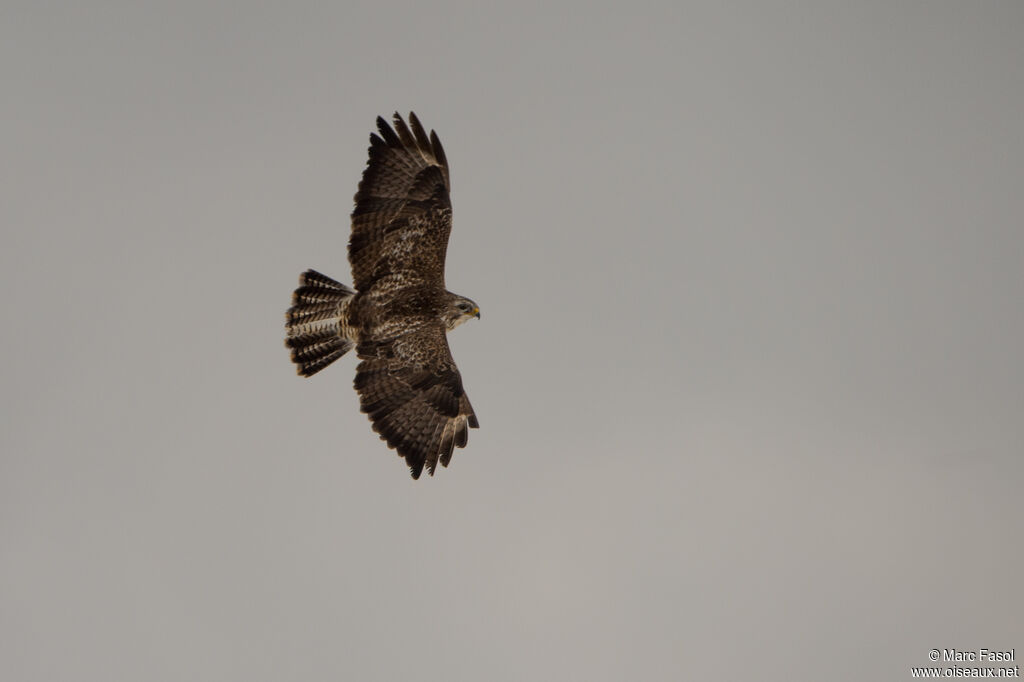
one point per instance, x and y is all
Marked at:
(315, 334)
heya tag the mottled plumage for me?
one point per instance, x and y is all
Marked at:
(400, 312)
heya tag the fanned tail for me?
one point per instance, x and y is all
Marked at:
(315, 334)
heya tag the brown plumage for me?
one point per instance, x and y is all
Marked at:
(400, 312)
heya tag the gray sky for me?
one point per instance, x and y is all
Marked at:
(748, 374)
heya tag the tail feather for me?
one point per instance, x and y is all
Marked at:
(314, 322)
(311, 313)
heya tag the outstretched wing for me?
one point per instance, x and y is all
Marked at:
(412, 391)
(403, 212)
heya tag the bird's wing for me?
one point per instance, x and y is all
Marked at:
(403, 213)
(412, 391)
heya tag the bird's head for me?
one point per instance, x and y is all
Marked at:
(459, 310)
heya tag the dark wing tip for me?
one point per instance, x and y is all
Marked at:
(435, 143)
(386, 132)
(422, 141)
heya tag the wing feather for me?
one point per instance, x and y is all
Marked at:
(402, 217)
(412, 392)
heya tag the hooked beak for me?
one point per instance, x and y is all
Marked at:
(476, 313)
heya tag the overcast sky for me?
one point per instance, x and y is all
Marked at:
(748, 373)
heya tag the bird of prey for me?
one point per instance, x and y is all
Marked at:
(399, 314)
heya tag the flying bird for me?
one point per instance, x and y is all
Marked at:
(399, 313)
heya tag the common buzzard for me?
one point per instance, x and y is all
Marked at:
(399, 314)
